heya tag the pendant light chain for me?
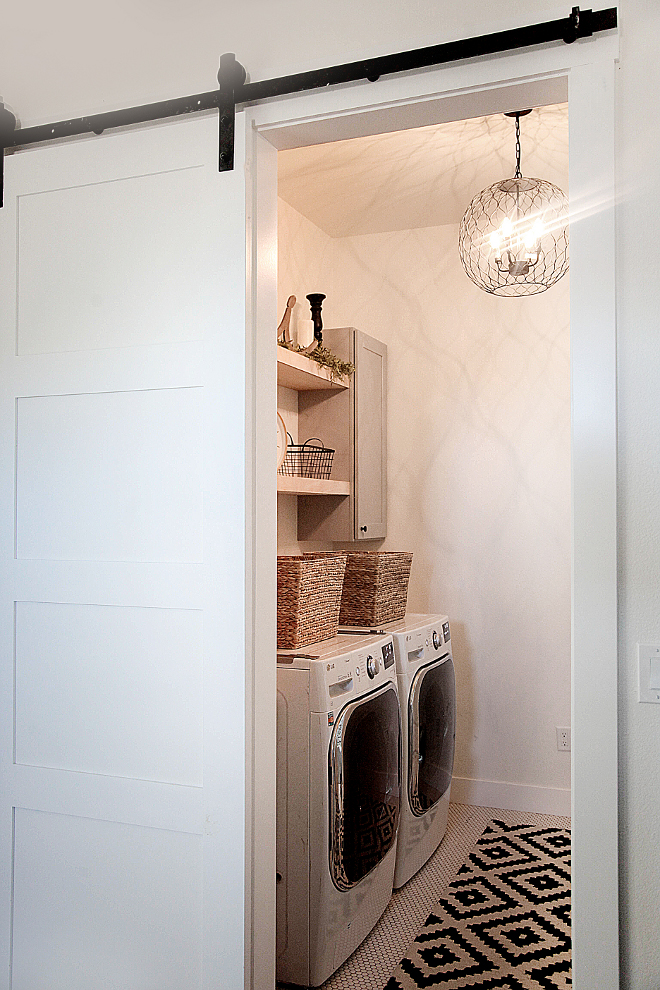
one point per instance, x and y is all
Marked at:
(518, 174)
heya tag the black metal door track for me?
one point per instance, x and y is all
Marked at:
(235, 91)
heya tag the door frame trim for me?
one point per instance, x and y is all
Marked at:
(486, 85)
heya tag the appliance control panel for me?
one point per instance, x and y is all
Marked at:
(356, 671)
(441, 636)
(426, 642)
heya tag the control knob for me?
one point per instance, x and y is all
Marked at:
(436, 640)
(372, 666)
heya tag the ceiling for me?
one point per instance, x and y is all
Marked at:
(419, 178)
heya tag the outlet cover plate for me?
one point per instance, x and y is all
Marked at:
(563, 739)
(649, 672)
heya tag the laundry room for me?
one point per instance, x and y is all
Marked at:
(478, 418)
(477, 423)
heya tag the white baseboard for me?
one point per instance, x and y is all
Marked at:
(516, 797)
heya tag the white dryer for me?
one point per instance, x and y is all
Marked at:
(338, 800)
(427, 694)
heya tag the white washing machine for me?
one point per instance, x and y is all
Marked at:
(427, 693)
(338, 800)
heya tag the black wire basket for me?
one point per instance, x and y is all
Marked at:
(307, 460)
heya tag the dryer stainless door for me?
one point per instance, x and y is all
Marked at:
(431, 733)
(365, 783)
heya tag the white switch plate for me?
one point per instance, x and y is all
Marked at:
(649, 672)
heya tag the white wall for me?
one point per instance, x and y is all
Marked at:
(478, 482)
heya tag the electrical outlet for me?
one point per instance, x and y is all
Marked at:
(563, 740)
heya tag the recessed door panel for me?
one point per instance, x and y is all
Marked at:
(79, 666)
(370, 438)
(103, 905)
(110, 476)
(102, 264)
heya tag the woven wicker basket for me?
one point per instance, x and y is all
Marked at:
(309, 590)
(375, 588)
(307, 460)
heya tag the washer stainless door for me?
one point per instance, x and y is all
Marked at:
(431, 733)
(365, 783)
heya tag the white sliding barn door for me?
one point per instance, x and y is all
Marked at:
(122, 528)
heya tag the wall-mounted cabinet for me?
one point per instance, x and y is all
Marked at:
(353, 422)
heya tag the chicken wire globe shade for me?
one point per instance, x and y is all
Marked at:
(513, 238)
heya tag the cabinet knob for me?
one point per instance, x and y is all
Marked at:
(363, 529)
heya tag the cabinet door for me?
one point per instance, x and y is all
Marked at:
(370, 493)
(354, 423)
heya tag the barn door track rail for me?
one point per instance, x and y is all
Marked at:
(235, 91)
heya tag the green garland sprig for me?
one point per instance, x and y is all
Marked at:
(325, 358)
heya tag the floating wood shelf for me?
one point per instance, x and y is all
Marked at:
(301, 373)
(311, 486)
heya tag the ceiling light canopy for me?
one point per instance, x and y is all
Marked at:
(513, 238)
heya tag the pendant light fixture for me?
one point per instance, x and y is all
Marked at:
(513, 238)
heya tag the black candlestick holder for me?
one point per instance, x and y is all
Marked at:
(315, 302)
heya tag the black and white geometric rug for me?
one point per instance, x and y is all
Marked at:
(504, 922)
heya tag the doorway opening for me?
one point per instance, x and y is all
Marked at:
(478, 423)
(478, 418)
